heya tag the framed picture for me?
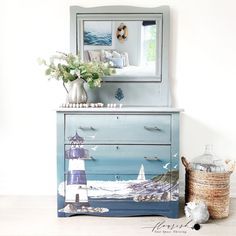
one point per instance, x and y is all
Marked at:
(98, 33)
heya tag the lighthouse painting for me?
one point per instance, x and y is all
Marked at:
(76, 190)
(95, 184)
(76, 186)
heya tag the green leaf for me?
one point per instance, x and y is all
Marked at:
(67, 67)
(48, 71)
(95, 76)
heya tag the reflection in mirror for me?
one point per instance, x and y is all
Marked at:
(129, 46)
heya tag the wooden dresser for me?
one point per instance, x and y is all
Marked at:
(118, 161)
(121, 161)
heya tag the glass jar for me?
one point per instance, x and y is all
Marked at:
(208, 161)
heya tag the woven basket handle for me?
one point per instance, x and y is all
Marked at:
(185, 163)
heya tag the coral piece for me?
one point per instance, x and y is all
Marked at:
(198, 212)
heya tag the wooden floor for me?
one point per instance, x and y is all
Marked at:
(23, 216)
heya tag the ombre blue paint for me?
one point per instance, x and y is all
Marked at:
(117, 160)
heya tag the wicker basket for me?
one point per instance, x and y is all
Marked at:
(209, 187)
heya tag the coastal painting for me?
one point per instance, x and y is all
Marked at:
(98, 33)
(116, 180)
(125, 192)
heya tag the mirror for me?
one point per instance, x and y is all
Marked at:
(128, 46)
(129, 43)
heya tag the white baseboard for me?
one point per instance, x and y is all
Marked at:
(232, 189)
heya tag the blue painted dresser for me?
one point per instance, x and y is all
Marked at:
(118, 161)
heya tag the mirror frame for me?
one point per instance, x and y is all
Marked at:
(160, 14)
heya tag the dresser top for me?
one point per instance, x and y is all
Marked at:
(122, 109)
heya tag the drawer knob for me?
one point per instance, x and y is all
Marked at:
(83, 128)
(152, 158)
(155, 128)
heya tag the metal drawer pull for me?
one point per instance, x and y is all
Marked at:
(152, 128)
(152, 158)
(83, 128)
(89, 158)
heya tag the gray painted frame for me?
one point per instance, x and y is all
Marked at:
(159, 87)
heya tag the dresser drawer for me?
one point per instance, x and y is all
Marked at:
(133, 174)
(124, 161)
(150, 129)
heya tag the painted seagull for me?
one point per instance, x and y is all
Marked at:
(175, 155)
(166, 165)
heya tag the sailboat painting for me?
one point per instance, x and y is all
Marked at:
(141, 175)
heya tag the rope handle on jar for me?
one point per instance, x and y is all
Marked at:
(185, 163)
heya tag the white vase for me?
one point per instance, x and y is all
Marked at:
(76, 92)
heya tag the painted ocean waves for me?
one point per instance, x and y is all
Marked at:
(91, 38)
(97, 33)
(156, 189)
(102, 195)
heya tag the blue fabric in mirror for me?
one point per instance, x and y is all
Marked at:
(117, 62)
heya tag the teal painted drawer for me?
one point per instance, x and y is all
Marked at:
(110, 161)
(133, 174)
(150, 129)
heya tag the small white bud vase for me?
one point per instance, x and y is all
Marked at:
(76, 92)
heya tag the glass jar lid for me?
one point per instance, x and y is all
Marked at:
(208, 161)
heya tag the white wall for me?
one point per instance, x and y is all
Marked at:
(202, 73)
